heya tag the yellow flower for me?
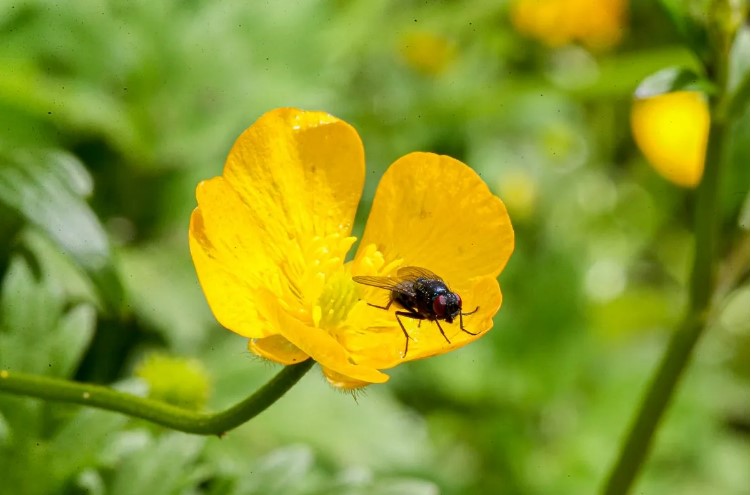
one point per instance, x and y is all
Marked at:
(270, 236)
(671, 129)
(520, 190)
(598, 24)
(428, 53)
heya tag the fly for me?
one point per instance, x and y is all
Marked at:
(423, 295)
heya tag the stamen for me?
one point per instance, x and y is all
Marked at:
(338, 297)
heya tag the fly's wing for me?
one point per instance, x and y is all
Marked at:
(412, 273)
(388, 283)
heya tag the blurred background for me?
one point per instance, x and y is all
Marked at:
(110, 114)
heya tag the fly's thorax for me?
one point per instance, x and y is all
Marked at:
(431, 286)
(435, 299)
(426, 291)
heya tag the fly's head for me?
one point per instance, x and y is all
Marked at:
(447, 306)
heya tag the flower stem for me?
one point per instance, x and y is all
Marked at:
(684, 339)
(158, 412)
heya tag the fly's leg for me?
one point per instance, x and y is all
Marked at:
(442, 332)
(391, 301)
(472, 312)
(407, 314)
(461, 321)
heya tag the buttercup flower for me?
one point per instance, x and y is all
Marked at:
(270, 236)
(597, 24)
(672, 129)
(427, 52)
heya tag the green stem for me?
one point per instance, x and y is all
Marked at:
(682, 343)
(158, 412)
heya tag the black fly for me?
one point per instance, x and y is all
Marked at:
(423, 295)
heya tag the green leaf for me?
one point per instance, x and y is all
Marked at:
(685, 17)
(91, 431)
(734, 180)
(283, 471)
(738, 73)
(38, 333)
(394, 487)
(672, 79)
(739, 59)
(47, 189)
(164, 466)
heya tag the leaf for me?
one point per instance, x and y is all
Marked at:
(685, 17)
(734, 179)
(738, 75)
(394, 487)
(283, 471)
(91, 431)
(738, 61)
(162, 467)
(47, 189)
(38, 334)
(670, 80)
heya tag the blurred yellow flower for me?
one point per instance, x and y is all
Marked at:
(598, 24)
(520, 190)
(671, 130)
(270, 236)
(427, 52)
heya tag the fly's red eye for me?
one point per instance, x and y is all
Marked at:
(439, 305)
(459, 301)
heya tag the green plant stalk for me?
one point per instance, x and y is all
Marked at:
(684, 339)
(158, 412)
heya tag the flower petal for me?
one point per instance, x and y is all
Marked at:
(337, 380)
(285, 203)
(321, 346)
(435, 212)
(228, 294)
(300, 173)
(382, 344)
(278, 349)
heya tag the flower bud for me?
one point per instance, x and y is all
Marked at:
(178, 381)
(671, 129)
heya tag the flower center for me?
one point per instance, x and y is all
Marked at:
(320, 288)
(338, 296)
(306, 275)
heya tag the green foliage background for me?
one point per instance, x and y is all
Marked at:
(111, 112)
